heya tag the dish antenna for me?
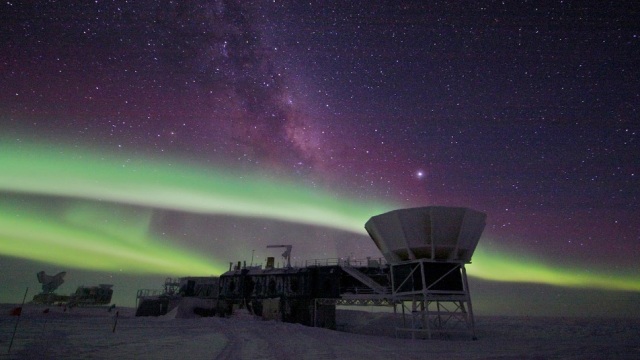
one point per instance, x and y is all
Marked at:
(50, 282)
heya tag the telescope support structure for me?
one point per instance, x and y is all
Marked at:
(435, 295)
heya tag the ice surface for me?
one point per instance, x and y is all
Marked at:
(86, 333)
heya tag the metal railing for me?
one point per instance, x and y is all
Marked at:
(369, 262)
(149, 292)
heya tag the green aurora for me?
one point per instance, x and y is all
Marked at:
(498, 264)
(99, 183)
(70, 241)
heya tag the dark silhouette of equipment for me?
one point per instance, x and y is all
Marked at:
(84, 295)
(49, 285)
(91, 295)
(50, 282)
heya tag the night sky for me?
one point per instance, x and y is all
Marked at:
(146, 139)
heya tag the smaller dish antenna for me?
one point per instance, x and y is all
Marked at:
(50, 282)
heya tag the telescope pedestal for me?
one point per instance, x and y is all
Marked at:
(436, 295)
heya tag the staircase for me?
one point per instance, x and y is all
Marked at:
(363, 278)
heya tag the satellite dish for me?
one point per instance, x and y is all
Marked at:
(50, 282)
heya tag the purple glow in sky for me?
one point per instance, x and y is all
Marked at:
(527, 112)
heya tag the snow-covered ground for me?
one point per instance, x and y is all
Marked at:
(85, 333)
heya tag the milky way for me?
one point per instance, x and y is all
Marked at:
(213, 128)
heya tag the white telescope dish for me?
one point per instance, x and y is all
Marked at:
(432, 232)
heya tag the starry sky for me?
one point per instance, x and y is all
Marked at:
(146, 139)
